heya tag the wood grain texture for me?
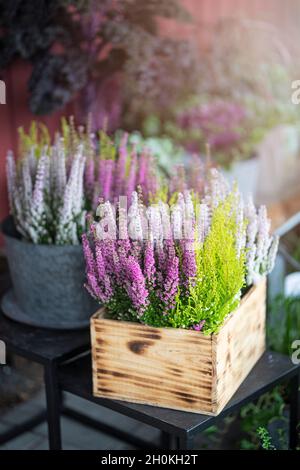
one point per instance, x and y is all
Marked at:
(176, 368)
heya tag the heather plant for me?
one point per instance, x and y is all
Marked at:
(54, 185)
(181, 265)
(46, 200)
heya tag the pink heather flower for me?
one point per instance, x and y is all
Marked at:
(178, 179)
(149, 264)
(171, 283)
(199, 326)
(93, 286)
(136, 285)
(196, 175)
(142, 171)
(188, 263)
(101, 173)
(108, 180)
(151, 183)
(100, 265)
(88, 255)
(89, 176)
(131, 180)
(119, 187)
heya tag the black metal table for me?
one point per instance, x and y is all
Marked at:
(56, 350)
(50, 349)
(272, 369)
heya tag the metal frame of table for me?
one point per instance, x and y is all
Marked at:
(49, 349)
(67, 368)
(271, 370)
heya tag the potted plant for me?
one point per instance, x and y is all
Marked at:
(183, 295)
(52, 189)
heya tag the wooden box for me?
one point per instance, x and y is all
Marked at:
(177, 368)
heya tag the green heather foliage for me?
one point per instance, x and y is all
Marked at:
(219, 279)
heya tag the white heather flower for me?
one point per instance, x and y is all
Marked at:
(272, 253)
(26, 183)
(241, 226)
(78, 195)
(250, 263)
(135, 225)
(203, 222)
(189, 216)
(251, 219)
(106, 228)
(155, 223)
(217, 189)
(37, 207)
(177, 218)
(263, 238)
(58, 169)
(165, 220)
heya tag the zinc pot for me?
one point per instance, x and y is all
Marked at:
(48, 284)
(177, 368)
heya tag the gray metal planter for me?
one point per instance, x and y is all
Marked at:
(47, 284)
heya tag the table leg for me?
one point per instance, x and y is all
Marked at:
(165, 440)
(294, 412)
(53, 399)
(184, 442)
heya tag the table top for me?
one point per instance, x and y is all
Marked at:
(42, 345)
(76, 377)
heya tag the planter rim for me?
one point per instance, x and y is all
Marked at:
(23, 242)
(99, 314)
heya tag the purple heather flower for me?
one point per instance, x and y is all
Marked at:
(178, 179)
(89, 176)
(131, 180)
(199, 326)
(108, 179)
(136, 285)
(171, 283)
(142, 170)
(149, 264)
(93, 286)
(121, 167)
(188, 264)
(88, 255)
